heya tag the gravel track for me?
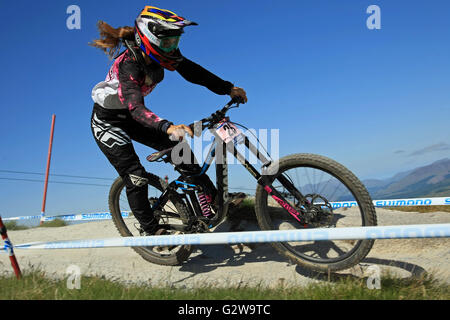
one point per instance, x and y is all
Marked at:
(225, 265)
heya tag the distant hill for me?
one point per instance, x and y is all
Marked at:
(428, 181)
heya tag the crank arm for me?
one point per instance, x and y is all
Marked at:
(177, 227)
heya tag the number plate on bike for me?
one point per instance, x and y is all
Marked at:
(228, 132)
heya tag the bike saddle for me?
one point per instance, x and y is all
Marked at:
(158, 155)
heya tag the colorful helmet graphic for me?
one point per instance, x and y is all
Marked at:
(158, 32)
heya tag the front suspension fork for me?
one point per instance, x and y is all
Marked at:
(278, 197)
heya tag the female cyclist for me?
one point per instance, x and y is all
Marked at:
(120, 115)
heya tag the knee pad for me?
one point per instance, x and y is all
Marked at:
(136, 179)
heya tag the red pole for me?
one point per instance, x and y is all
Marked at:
(48, 168)
(9, 247)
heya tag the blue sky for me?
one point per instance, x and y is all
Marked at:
(377, 101)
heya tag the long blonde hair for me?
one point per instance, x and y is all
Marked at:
(110, 38)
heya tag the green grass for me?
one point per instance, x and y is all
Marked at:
(245, 211)
(35, 285)
(12, 225)
(54, 223)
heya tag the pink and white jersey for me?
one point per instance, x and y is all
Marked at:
(108, 93)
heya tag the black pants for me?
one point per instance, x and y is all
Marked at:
(113, 131)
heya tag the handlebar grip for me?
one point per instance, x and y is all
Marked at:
(219, 113)
(236, 100)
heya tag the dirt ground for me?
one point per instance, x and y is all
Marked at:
(225, 265)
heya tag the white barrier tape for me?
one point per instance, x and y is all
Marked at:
(353, 233)
(343, 204)
(22, 218)
(72, 217)
(86, 216)
(437, 201)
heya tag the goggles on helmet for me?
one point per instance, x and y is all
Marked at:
(168, 44)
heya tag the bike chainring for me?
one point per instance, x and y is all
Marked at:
(158, 214)
(198, 226)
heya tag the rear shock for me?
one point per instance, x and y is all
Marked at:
(204, 204)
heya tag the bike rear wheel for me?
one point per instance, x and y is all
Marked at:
(129, 227)
(322, 181)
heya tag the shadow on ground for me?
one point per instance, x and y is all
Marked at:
(211, 257)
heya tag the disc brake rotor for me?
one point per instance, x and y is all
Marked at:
(320, 211)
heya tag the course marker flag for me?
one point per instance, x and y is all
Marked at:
(8, 248)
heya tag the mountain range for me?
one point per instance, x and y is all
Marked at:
(432, 180)
(428, 181)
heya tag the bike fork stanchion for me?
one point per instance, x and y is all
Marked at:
(261, 179)
(9, 248)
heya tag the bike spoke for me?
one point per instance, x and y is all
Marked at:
(323, 188)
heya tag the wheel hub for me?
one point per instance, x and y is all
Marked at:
(319, 211)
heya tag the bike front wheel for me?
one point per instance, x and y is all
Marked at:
(324, 183)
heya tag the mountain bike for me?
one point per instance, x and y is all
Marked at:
(298, 191)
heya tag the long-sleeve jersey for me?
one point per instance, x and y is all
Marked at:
(128, 82)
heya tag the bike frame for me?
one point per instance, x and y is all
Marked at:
(219, 150)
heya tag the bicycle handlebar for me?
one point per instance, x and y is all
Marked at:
(216, 116)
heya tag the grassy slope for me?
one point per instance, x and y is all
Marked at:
(36, 285)
(12, 225)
